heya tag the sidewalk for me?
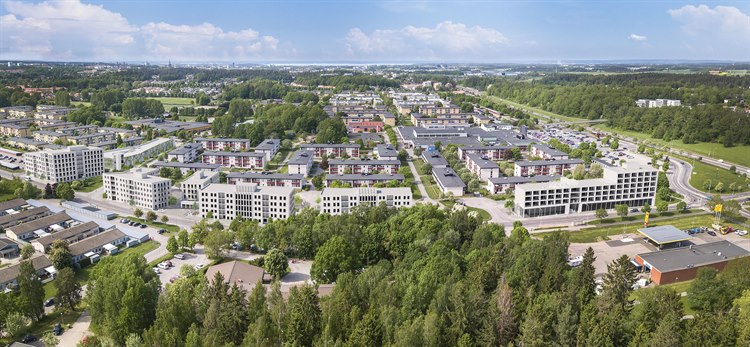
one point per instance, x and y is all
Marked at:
(72, 336)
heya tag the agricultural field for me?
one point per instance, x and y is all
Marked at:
(169, 102)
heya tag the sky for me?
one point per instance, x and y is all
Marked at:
(362, 31)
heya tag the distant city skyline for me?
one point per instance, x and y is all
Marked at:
(373, 31)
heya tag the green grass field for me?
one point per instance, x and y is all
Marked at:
(736, 154)
(703, 172)
(533, 109)
(76, 103)
(602, 233)
(178, 102)
(168, 227)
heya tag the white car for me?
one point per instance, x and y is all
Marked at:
(179, 256)
(741, 232)
(163, 266)
(198, 266)
(156, 270)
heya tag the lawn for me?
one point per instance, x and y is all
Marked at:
(736, 154)
(170, 102)
(638, 217)
(76, 103)
(94, 183)
(168, 227)
(595, 234)
(533, 109)
(703, 172)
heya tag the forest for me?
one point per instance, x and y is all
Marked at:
(419, 276)
(613, 98)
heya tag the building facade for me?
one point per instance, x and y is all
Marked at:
(245, 160)
(65, 165)
(482, 167)
(544, 167)
(211, 144)
(332, 150)
(362, 166)
(247, 201)
(192, 186)
(300, 163)
(139, 187)
(267, 179)
(341, 200)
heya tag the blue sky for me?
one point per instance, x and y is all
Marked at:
(373, 31)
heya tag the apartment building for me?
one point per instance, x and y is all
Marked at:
(360, 166)
(332, 150)
(438, 110)
(441, 121)
(385, 152)
(547, 153)
(92, 139)
(489, 152)
(544, 167)
(117, 159)
(187, 153)
(300, 163)
(139, 187)
(481, 166)
(192, 186)
(185, 167)
(435, 159)
(648, 103)
(634, 187)
(248, 201)
(14, 130)
(49, 136)
(211, 144)
(267, 179)
(337, 201)
(17, 112)
(245, 160)
(269, 147)
(363, 180)
(364, 127)
(448, 181)
(66, 164)
(498, 185)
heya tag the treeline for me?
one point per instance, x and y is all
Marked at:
(705, 121)
(420, 276)
(345, 80)
(278, 121)
(259, 89)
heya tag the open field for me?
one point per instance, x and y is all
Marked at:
(533, 109)
(169, 102)
(76, 103)
(736, 154)
(703, 172)
(602, 233)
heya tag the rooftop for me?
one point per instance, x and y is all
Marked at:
(693, 256)
(520, 180)
(300, 157)
(549, 150)
(193, 166)
(573, 161)
(483, 163)
(40, 223)
(265, 174)
(366, 191)
(358, 177)
(10, 273)
(434, 158)
(268, 144)
(66, 233)
(664, 234)
(95, 241)
(236, 272)
(37, 211)
(184, 149)
(448, 178)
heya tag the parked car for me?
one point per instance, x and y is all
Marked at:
(28, 338)
(161, 231)
(179, 256)
(741, 232)
(49, 302)
(57, 330)
(123, 220)
(198, 266)
(712, 233)
(157, 270)
(163, 266)
(174, 278)
(143, 226)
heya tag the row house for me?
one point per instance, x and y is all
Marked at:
(544, 167)
(359, 166)
(14, 130)
(245, 160)
(435, 110)
(267, 179)
(211, 144)
(332, 150)
(489, 152)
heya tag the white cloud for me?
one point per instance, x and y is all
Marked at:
(70, 30)
(447, 40)
(636, 37)
(721, 32)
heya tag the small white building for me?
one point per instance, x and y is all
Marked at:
(342, 200)
(300, 163)
(139, 187)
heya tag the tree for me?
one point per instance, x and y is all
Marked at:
(48, 192)
(618, 282)
(662, 206)
(172, 245)
(334, 257)
(707, 293)
(30, 291)
(646, 207)
(27, 251)
(719, 187)
(62, 98)
(216, 243)
(151, 216)
(50, 339)
(27, 191)
(622, 210)
(68, 289)
(276, 263)
(425, 169)
(665, 166)
(60, 256)
(601, 213)
(164, 219)
(615, 144)
(64, 191)
(304, 316)
(681, 206)
(183, 239)
(138, 213)
(16, 324)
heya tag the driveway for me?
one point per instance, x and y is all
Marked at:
(190, 259)
(73, 335)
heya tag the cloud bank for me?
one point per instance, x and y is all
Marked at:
(70, 29)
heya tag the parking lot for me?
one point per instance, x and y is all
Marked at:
(190, 259)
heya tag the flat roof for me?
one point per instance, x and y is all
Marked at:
(549, 162)
(482, 163)
(434, 158)
(235, 154)
(521, 179)
(548, 150)
(301, 157)
(268, 144)
(448, 178)
(199, 166)
(693, 256)
(267, 175)
(363, 162)
(386, 150)
(664, 234)
(358, 177)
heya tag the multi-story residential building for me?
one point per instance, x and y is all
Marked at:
(248, 201)
(29, 144)
(358, 166)
(353, 114)
(363, 180)
(341, 200)
(192, 186)
(78, 130)
(14, 130)
(489, 152)
(65, 165)
(448, 181)
(139, 187)
(269, 147)
(212, 144)
(436, 110)
(634, 187)
(92, 139)
(332, 150)
(657, 103)
(267, 179)
(185, 167)
(49, 136)
(440, 122)
(544, 167)
(547, 153)
(386, 152)
(482, 167)
(245, 160)
(499, 185)
(300, 163)
(435, 159)
(188, 153)
(117, 159)
(365, 126)
(52, 112)
(16, 112)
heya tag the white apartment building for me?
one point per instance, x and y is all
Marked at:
(482, 166)
(116, 159)
(65, 164)
(248, 201)
(341, 200)
(629, 186)
(192, 186)
(300, 163)
(139, 187)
